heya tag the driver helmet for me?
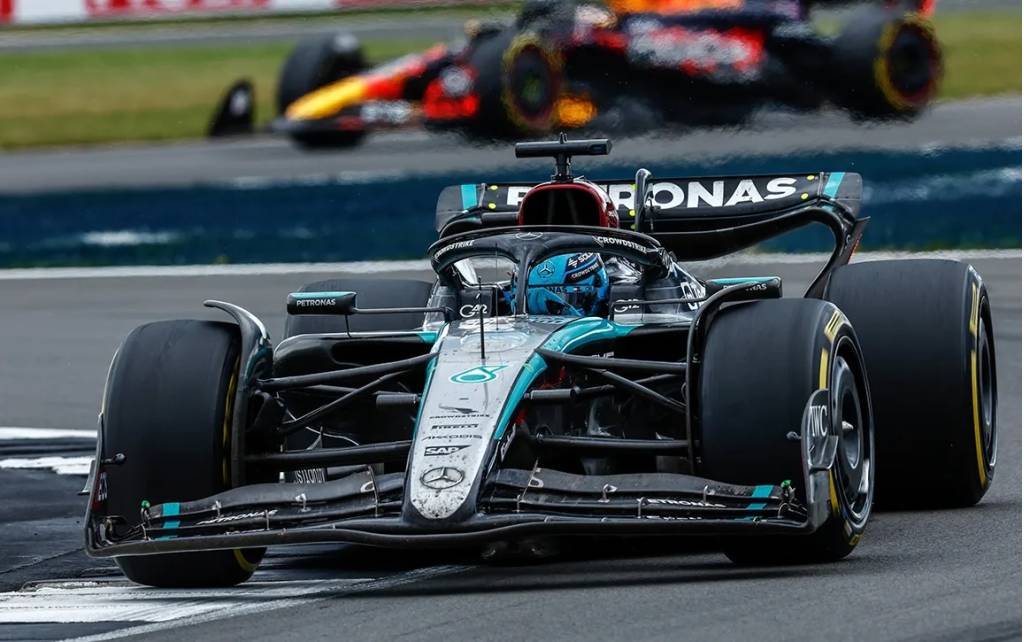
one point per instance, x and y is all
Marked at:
(568, 285)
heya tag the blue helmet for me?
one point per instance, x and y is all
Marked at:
(570, 285)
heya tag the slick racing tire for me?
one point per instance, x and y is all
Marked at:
(167, 408)
(762, 362)
(888, 63)
(313, 64)
(373, 293)
(926, 330)
(520, 80)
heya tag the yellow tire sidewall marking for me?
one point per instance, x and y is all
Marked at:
(881, 66)
(832, 327)
(245, 564)
(823, 370)
(229, 406)
(833, 496)
(508, 100)
(975, 393)
(831, 331)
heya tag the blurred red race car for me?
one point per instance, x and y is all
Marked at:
(629, 66)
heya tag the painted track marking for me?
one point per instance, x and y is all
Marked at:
(58, 464)
(19, 432)
(189, 606)
(84, 601)
(25, 442)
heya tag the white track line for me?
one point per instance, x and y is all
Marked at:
(384, 267)
(82, 601)
(20, 432)
(59, 465)
(246, 599)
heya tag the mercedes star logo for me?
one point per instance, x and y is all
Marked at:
(546, 269)
(441, 478)
(528, 236)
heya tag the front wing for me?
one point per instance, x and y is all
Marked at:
(365, 508)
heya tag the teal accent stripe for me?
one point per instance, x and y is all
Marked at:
(426, 387)
(583, 331)
(468, 196)
(427, 337)
(759, 491)
(742, 279)
(429, 376)
(171, 509)
(319, 295)
(835, 179)
(531, 370)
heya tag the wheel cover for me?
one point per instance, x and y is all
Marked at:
(851, 422)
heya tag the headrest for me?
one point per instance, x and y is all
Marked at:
(565, 204)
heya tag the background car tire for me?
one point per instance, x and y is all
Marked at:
(519, 81)
(167, 409)
(891, 61)
(926, 330)
(373, 293)
(761, 363)
(314, 63)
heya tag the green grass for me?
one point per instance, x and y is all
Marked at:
(982, 53)
(89, 96)
(149, 93)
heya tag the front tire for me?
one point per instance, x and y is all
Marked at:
(926, 328)
(167, 408)
(762, 362)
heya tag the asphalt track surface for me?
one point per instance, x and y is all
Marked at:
(918, 575)
(262, 160)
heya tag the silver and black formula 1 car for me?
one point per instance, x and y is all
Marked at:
(561, 375)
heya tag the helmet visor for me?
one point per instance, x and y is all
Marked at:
(572, 300)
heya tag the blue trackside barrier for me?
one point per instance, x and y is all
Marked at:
(916, 200)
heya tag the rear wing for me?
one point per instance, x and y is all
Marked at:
(682, 204)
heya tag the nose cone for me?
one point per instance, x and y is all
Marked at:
(467, 405)
(329, 100)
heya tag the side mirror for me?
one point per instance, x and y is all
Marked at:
(757, 287)
(343, 303)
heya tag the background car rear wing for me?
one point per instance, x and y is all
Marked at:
(680, 204)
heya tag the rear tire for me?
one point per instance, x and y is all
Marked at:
(519, 81)
(168, 409)
(373, 293)
(926, 329)
(313, 64)
(891, 63)
(762, 362)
